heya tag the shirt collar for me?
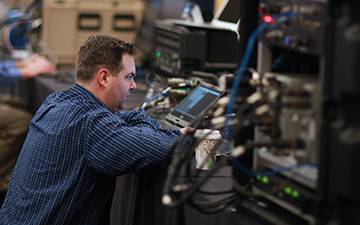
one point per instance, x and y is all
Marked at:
(86, 93)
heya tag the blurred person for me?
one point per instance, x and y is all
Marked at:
(79, 142)
(14, 119)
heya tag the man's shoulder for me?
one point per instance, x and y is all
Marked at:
(70, 102)
(69, 97)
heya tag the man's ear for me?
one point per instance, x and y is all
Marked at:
(103, 77)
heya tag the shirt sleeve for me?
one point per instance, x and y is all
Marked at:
(9, 73)
(127, 142)
(138, 118)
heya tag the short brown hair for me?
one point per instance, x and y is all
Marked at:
(101, 51)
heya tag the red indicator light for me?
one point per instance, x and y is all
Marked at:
(268, 19)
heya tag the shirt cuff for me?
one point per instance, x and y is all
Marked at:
(8, 69)
(13, 72)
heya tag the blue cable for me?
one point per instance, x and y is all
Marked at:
(152, 98)
(283, 17)
(239, 75)
(272, 172)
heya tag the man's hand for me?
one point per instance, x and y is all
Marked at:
(187, 130)
(35, 66)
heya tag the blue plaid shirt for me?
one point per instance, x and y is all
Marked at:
(75, 148)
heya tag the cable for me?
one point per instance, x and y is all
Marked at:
(149, 100)
(182, 191)
(272, 172)
(239, 75)
(205, 75)
(177, 191)
(165, 92)
(282, 17)
(147, 75)
(182, 181)
(8, 30)
(215, 206)
(174, 198)
(190, 190)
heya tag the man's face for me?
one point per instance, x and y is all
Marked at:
(121, 85)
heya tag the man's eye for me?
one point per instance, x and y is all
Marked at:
(128, 77)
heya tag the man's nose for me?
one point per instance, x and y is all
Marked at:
(133, 85)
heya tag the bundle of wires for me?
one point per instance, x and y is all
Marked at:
(165, 92)
(280, 18)
(266, 26)
(182, 181)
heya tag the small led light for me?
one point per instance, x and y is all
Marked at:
(288, 190)
(295, 194)
(268, 19)
(158, 54)
(287, 40)
(265, 179)
(166, 200)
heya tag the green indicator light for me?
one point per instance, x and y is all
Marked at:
(258, 177)
(295, 194)
(288, 190)
(158, 54)
(265, 179)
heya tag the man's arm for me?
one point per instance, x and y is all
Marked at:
(118, 147)
(11, 71)
(140, 118)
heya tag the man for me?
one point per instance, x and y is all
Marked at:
(14, 119)
(79, 142)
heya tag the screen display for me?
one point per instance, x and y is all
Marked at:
(196, 103)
